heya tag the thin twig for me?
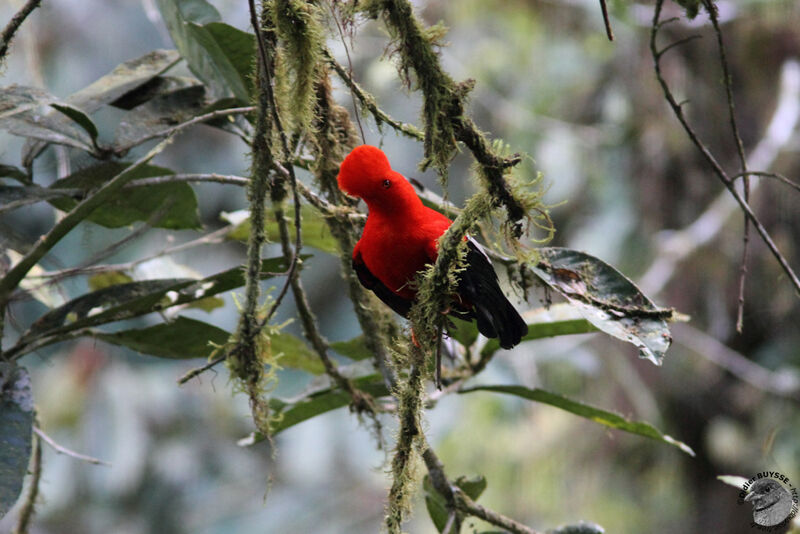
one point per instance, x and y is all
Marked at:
(712, 161)
(606, 21)
(728, 82)
(785, 383)
(368, 101)
(12, 279)
(60, 449)
(29, 504)
(349, 70)
(199, 370)
(794, 185)
(14, 24)
(456, 498)
(681, 243)
(172, 129)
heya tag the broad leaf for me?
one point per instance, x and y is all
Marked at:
(13, 197)
(180, 339)
(607, 299)
(606, 418)
(295, 353)
(436, 503)
(107, 279)
(315, 231)
(556, 320)
(355, 348)
(126, 301)
(174, 205)
(181, 100)
(79, 117)
(27, 112)
(213, 66)
(231, 52)
(290, 412)
(16, 430)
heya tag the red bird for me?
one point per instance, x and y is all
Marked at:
(400, 239)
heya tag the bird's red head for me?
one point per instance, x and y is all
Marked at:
(366, 173)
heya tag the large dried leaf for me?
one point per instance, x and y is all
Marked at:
(124, 78)
(28, 112)
(607, 299)
(16, 430)
(180, 100)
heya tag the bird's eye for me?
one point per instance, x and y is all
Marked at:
(767, 489)
(387, 184)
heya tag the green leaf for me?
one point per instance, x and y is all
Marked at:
(80, 118)
(12, 172)
(180, 339)
(175, 202)
(607, 299)
(289, 412)
(207, 304)
(209, 53)
(606, 418)
(107, 279)
(295, 353)
(27, 112)
(16, 430)
(355, 349)
(126, 301)
(436, 503)
(314, 230)
(181, 100)
(556, 320)
(465, 332)
(231, 52)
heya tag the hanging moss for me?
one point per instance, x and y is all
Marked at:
(302, 38)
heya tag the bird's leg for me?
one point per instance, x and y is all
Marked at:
(439, 358)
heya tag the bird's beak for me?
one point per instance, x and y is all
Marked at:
(749, 497)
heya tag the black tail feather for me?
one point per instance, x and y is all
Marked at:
(494, 314)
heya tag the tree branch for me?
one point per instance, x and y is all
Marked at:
(660, 272)
(12, 279)
(14, 24)
(60, 449)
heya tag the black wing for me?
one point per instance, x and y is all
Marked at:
(478, 286)
(371, 282)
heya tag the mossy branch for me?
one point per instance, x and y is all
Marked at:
(370, 104)
(14, 24)
(444, 103)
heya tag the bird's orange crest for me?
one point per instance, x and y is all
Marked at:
(362, 169)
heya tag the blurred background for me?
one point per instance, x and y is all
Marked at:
(630, 189)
